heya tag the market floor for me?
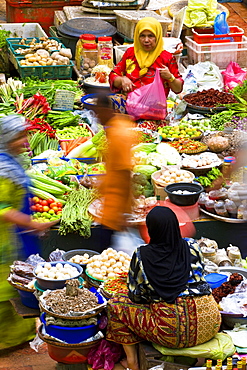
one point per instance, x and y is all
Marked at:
(25, 358)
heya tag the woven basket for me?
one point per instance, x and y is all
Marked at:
(20, 287)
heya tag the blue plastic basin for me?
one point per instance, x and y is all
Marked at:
(28, 299)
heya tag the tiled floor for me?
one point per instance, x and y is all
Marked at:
(23, 357)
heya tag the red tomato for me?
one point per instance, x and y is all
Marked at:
(33, 208)
(54, 204)
(50, 201)
(45, 208)
(44, 202)
(55, 208)
(59, 205)
(35, 200)
(39, 208)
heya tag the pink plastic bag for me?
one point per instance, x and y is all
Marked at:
(105, 356)
(233, 75)
(149, 101)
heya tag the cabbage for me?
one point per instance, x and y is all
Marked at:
(144, 147)
(146, 169)
(156, 159)
(169, 153)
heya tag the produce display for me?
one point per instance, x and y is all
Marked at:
(188, 146)
(99, 75)
(200, 160)
(210, 98)
(108, 264)
(56, 272)
(59, 302)
(116, 285)
(228, 287)
(173, 175)
(80, 259)
(181, 131)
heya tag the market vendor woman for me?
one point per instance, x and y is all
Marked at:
(169, 302)
(139, 63)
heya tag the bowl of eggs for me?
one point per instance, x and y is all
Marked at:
(53, 275)
(108, 264)
(171, 175)
(184, 194)
(79, 256)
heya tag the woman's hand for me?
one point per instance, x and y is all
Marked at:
(165, 73)
(123, 83)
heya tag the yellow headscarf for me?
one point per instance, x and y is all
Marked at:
(146, 58)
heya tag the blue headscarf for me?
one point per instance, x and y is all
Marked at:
(10, 165)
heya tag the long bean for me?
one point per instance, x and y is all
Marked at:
(75, 215)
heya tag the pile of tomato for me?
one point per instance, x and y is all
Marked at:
(46, 209)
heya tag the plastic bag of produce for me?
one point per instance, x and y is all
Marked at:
(105, 355)
(149, 101)
(200, 13)
(233, 75)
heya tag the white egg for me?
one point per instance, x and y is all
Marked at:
(110, 269)
(45, 271)
(38, 269)
(112, 261)
(51, 275)
(59, 266)
(118, 264)
(40, 274)
(107, 263)
(111, 275)
(47, 265)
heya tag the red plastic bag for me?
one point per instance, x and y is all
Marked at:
(233, 75)
(149, 101)
(105, 356)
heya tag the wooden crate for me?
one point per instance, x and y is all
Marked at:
(150, 357)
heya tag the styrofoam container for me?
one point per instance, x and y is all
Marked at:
(219, 53)
(215, 280)
(127, 20)
(119, 51)
(24, 29)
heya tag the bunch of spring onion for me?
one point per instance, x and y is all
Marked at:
(9, 89)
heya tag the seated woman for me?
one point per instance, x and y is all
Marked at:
(169, 302)
(139, 63)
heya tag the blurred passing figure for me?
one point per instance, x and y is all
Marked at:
(14, 197)
(116, 185)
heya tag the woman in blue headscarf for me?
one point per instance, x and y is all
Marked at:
(13, 200)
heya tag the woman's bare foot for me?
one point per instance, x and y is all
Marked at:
(132, 358)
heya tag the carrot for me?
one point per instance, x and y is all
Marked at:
(64, 145)
(74, 143)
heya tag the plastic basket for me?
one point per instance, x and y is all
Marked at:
(127, 20)
(207, 35)
(18, 29)
(46, 72)
(219, 53)
(14, 43)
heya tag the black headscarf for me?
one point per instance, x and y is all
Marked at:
(166, 259)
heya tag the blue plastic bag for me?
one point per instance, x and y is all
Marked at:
(221, 27)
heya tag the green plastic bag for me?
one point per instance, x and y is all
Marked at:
(200, 13)
(220, 347)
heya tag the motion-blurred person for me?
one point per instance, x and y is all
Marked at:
(13, 197)
(116, 185)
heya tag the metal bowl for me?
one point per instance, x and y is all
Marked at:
(68, 255)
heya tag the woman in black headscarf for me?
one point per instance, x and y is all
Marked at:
(169, 302)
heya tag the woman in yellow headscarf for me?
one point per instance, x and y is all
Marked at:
(139, 63)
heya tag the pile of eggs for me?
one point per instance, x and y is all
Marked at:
(174, 175)
(80, 259)
(200, 160)
(58, 271)
(108, 264)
